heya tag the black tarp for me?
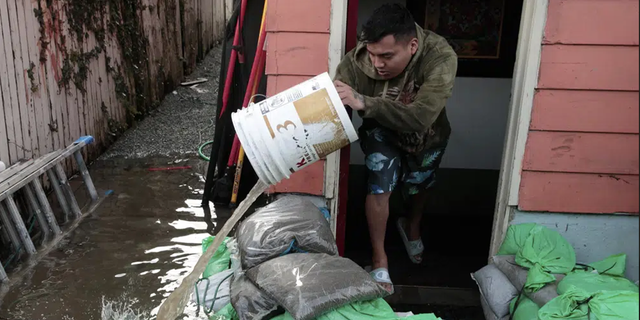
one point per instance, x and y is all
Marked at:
(224, 132)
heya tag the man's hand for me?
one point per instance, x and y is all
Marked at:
(349, 96)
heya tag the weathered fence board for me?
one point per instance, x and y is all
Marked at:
(69, 68)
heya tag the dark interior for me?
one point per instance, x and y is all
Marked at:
(456, 228)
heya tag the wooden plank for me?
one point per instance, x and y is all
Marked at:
(309, 180)
(44, 77)
(12, 114)
(52, 65)
(38, 86)
(276, 84)
(578, 193)
(612, 22)
(589, 68)
(27, 112)
(298, 16)
(582, 152)
(5, 104)
(304, 54)
(586, 111)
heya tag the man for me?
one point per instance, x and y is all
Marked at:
(398, 78)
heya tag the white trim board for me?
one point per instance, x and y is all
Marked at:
(525, 79)
(337, 38)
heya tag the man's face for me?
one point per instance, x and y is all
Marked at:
(391, 57)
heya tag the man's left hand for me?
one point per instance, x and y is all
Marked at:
(349, 96)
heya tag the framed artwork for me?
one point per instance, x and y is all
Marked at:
(484, 33)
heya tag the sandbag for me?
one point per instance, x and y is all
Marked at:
(541, 250)
(496, 289)
(578, 304)
(220, 260)
(592, 282)
(213, 293)
(614, 265)
(524, 309)
(518, 277)
(309, 285)
(288, 225)
(376, 309)
(515, 238)
(250, 303)
(488, 313)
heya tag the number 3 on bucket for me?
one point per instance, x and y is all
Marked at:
(293, 129)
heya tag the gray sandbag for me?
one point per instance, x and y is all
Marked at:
(517, 275)
(288, 225)
(496, 289)
(250, 303)
(488, 313)
(309, 285)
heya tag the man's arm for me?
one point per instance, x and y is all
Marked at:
(345, 72)
(431, 98)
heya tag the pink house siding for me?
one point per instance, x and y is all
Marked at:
(582, 150)
(297, 49)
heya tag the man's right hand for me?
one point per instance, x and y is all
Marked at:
(349, 96)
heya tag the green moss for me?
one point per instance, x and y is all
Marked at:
(32, 77)
(104, 19)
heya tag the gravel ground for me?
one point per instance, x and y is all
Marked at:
(181, 124)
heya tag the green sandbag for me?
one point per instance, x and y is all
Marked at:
(545, 251)
(377, 309)
(525, 310)
(592, 283)
(577, 304)
(515, 238)
(220, 260)
(614, 265)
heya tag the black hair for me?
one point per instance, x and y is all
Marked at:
(389, 19)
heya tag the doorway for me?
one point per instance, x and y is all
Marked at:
(457, 223)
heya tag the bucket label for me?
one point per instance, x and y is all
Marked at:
(295, 128)
(308, 129)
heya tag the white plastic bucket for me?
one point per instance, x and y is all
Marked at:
(293, 129)
(258, 165)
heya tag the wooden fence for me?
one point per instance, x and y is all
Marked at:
(75, 67)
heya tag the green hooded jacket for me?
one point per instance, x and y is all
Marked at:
(411, 104)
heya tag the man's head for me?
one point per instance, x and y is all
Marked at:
(391, 39)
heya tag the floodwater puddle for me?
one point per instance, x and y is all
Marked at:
(125, 258)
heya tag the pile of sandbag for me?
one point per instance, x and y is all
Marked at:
(535, 277)
(289, 263)
(283, 264)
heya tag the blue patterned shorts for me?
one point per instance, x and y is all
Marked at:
(387, 164)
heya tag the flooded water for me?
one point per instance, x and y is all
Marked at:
(125, 258)
(176, 303)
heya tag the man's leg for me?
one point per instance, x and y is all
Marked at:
(418, 203)
(383, 166)
(420, 176)
(377, 210)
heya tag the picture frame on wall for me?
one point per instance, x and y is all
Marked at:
(484, 33)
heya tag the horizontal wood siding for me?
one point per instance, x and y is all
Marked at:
(579, 193)
(582, 150)
(55, 88)
(574, 110)
(297, 49)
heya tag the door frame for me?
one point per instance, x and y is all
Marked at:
(524, 82)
